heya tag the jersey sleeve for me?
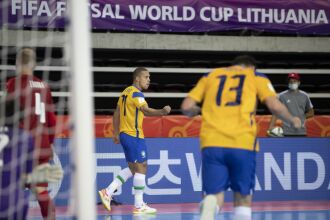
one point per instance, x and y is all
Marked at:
(138, 99)
(309, 104)
(197, 93)
(281, 98)
(10, 86)
(265, 88)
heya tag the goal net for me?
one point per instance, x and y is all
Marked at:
(62, 64)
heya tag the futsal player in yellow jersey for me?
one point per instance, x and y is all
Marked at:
(228, 133)
(127, 122)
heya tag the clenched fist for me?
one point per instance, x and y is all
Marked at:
(166, 110)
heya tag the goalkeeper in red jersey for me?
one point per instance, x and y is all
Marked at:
(39, 119)
(16, 162)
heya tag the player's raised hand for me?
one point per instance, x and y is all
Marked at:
(166, 110)
(115, 139)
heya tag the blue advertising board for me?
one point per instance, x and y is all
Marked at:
(287, 169)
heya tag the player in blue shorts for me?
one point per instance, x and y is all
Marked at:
(127, 122)
(228, 132)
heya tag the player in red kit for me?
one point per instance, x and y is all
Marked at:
(39, 119)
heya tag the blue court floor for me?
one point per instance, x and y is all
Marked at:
(287, 215)
(291, 210)
(279, 215)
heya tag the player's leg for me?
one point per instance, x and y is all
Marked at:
(46, 204)
(120, 179)
(123, 175)
(139, 183)
(210, 205)
(215, 181)
(242, 206)
(135, 150)
(107, 193)
(242, 176)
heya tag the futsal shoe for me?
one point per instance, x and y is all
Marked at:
(144, 209)
(209, 208)
(106, 200)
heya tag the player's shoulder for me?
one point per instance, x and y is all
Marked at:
(36, 79)
(131, 90)
(137, 93)
(128, 89)
(12, 80)
(215, 72)
(303, 93)
(260, 74)
(284, 92)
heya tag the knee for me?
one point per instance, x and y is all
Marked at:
(141, 168)
(243, 200)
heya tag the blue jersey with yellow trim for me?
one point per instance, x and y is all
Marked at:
(131, 117)
(229, 97)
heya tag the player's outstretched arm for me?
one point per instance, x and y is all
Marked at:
(45, 173)
(310, 113)
(155, 112)
(277, 108)
(189, 107)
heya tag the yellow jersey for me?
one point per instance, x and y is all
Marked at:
(131, 117)
(229, 97)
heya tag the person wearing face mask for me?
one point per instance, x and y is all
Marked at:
(298, 103)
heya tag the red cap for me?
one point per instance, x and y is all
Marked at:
(294, 76)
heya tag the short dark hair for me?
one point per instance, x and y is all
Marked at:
(245, 60)
(138, 71)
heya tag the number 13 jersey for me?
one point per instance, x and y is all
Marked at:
(229, 100)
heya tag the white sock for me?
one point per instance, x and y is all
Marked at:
(139, 183)
(120, 179)
(242, 213)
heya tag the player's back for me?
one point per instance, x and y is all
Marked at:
(16, 158)
(131, 117)
(230, 99)
(35, 99)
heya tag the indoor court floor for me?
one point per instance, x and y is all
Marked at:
(284, 210)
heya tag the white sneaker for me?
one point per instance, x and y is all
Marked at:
(209, 208)
(144, 209)
(105, 199)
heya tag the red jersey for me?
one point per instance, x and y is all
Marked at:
(39, 119)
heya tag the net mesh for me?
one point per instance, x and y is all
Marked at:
(42, 27)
